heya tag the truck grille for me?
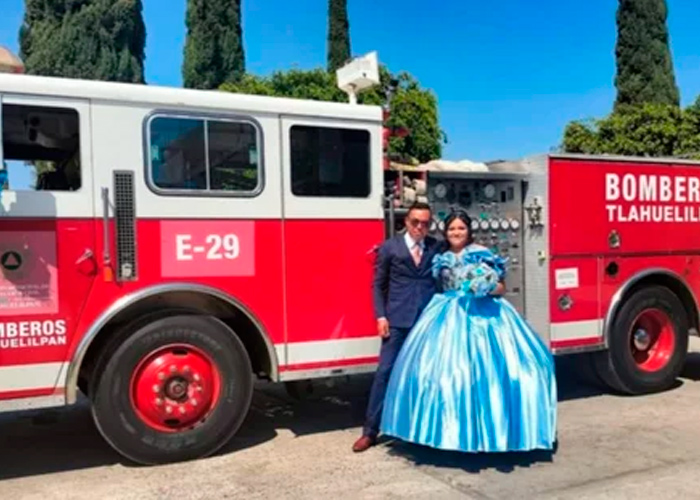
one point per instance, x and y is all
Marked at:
(125, 221)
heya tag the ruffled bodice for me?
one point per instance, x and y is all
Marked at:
(474, 270)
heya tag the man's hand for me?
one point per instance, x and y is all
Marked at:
(383, 328)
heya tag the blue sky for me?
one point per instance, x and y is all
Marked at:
(508, 75)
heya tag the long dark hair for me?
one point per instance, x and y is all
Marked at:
(464, 217)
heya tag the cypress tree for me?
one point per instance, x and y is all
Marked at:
(644, 65)
(214, 45)
(338, 34)
(91, 39)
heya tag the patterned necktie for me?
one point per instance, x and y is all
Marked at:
(416, 252)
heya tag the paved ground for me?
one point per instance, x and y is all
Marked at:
(610, 448)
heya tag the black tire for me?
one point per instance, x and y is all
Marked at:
(116, 417)
(89, 373)
(617, 365)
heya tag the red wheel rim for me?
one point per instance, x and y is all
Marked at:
(652, 340)
(175, 388)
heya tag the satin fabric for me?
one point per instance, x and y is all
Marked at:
(472, 375)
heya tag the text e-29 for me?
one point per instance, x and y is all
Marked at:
(216, 247)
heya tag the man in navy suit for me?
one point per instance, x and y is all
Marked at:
(403, 286)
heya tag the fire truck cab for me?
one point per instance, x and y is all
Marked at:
(161, 248)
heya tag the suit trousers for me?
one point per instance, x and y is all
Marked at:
(387, 356)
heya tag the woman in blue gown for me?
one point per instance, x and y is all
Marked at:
(472, 375)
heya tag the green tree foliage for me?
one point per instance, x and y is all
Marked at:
(644, 65)
(652, 130)
(316, 84)
(338, 34)
(91, 39)
(646, 119)
(689, 134)
(412, 106)
(214, 45)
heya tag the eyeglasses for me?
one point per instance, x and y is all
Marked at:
(417, 223)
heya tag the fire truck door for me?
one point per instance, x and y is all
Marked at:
(332, 222)
(47, 237)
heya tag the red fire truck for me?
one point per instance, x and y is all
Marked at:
(170, 246)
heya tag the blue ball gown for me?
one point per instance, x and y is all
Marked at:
(472, 375)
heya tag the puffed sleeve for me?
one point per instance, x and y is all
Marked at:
(445, 260)
(438, 264)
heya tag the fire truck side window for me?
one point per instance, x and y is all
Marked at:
(203, 154)
(41, 148)
(330, 162)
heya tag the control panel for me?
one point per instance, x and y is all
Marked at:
(494, 202)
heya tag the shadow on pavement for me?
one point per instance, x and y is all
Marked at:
(576, 379)
(47, 441)
(66, 439)
(328, 408)
(472, 463)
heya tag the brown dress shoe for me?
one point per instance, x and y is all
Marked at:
(363, 444)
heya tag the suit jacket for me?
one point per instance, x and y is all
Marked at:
(402, 289)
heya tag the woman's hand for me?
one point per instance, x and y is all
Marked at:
(499, 290)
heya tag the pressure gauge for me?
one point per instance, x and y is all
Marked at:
(475, 225)
(484, 225)
(440, 190)
(504, 225)
(494, 224)
(489, 191)
(514, 224)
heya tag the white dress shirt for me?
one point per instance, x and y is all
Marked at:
(410, 243)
